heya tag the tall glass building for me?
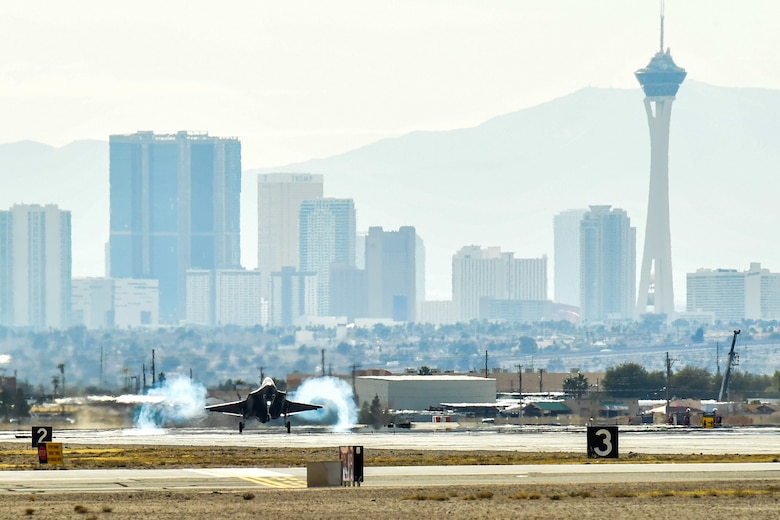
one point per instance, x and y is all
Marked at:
(175, 202)
(327, 235)
(607, 265)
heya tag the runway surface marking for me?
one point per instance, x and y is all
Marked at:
(263, 477)
(278, 482)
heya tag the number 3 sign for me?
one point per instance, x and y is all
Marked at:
(602, 442)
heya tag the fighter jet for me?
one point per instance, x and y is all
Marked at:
(263, 404)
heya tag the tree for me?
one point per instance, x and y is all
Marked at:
(698, 336)
(21, 408)
(372, 414)
(576, 385)
(377, 414)
(632, 380)
(693, 382)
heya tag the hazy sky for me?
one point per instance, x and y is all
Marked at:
(302, 79)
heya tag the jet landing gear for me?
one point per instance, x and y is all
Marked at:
(241, 427)
(287, 424)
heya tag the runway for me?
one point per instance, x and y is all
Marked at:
(638, 439)
(550, 439)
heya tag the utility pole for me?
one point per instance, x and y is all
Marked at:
(486, 364)
(541, 374)
(323, 363)
(520, 379)
(354, 376)
(262, 373)
(668, 380)
(143, 370)
(152, 367)
(717, 358)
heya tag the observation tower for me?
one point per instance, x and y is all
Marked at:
(660, 80)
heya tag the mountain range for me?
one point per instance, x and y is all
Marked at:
(500, 183)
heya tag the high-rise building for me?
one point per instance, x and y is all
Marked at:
(392, 271)
(100, 303)
(660, 81)
(348, 293)
(200, 310)
(566, 231)
(279, 197)
(175, 202)
(327, 236)
(222, 297)
(607, 265)
(6, 275)
(238, 300)
(293, 295)
(35, 267)
(733, 296)
(482, 275)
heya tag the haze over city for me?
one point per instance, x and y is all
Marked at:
(311, 80)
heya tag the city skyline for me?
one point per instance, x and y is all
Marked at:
(603, 49)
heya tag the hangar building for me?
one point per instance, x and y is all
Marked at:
(415, 392)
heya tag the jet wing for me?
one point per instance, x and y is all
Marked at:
(235, 408)
(293, 407)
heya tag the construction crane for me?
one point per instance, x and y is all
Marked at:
(732, 361)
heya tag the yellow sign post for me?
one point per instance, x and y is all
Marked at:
(50, 453)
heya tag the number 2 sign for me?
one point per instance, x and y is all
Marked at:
(41, 434)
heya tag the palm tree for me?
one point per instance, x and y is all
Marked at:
(61, 366)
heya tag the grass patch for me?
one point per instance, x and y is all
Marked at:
(437, 497)
(78, 457)
(78, 508)
(526, 496)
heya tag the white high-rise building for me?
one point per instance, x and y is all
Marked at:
(607, 265)
(224, 297)
(200, 297)
(35, 267)
(479, 274)
(100, 303)
(566, 231)
(279, 197)
(238, 300)
(733, 296)
(136, 302)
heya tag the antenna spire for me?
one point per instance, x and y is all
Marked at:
(662, 25)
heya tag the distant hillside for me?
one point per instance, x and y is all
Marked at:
(500, 183)
(75, 177)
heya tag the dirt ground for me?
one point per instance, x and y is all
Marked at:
(753, 499)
